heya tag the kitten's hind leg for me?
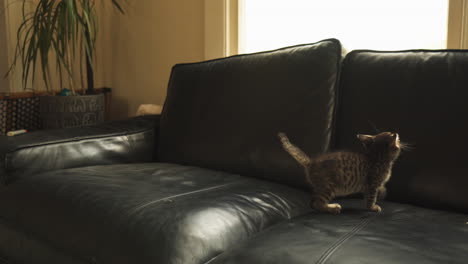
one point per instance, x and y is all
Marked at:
(321, 202)
(322, 193)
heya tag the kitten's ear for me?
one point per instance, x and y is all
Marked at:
(366, 139)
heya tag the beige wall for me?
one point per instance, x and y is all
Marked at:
(141, 47)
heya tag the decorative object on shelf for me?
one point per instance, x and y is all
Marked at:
(62, 32)
(16, 132)
(71, 111)
(65, 92)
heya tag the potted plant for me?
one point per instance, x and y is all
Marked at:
(62, 32)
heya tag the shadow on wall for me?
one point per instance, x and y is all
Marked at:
(119, 108)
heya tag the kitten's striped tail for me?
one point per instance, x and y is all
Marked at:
(294, 151)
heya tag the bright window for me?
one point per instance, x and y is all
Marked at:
(358, 24)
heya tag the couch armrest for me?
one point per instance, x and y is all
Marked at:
(125, 141)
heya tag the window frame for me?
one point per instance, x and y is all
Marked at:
(457, 32)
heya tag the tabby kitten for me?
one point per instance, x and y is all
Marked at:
(342, 173)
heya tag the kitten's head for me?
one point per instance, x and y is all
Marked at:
(385, 143)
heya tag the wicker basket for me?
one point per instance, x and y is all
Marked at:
(19, 113)
(22, 111)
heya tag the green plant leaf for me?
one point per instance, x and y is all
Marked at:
(118, 6)
(66, 28)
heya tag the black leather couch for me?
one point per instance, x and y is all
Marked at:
(208, 182)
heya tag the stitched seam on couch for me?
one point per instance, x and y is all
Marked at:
(327, 254)
(169, 199)
(333, 40)
(78, 139)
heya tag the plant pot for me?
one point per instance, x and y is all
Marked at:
(71, 111)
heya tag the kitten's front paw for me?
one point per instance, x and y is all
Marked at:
(375, 208)
(334, 208)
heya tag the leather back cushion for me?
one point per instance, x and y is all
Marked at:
(423, 96)
(225, 114)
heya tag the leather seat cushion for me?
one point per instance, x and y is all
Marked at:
(400, 234)
(139, 213)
